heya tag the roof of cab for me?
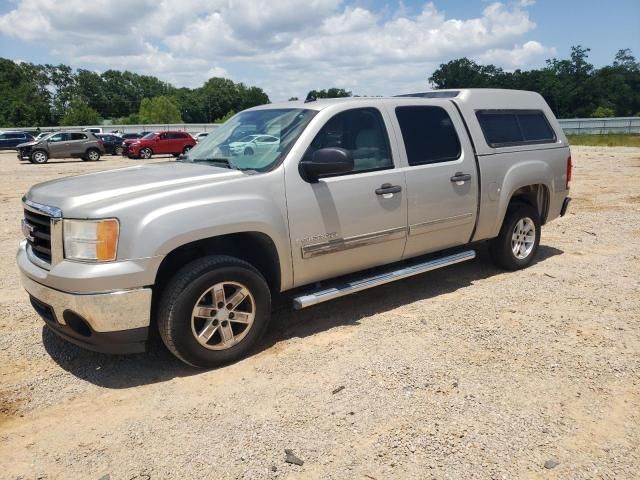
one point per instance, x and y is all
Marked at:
(475, 98)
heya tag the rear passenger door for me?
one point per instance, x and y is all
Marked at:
(77, 145)
(441, 175)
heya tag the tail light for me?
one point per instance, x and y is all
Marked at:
(569, 169)
(101, 141)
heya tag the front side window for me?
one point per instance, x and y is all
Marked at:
(361, 131)
(58, 137)
(429, 135)
(502, 128)
(234, 145)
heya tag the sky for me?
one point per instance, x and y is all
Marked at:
(288, 47)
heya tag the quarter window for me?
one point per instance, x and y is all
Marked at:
(503, 128)
(429, 135)
(361, 131)
(78, 136)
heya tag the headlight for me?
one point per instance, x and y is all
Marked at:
(91, 240)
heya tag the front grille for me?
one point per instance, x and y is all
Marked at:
(39, 227)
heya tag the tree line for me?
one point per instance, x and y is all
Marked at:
(44, 95)
(572, 87)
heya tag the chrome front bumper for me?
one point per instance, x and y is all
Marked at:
(115, 322)
(103, 312)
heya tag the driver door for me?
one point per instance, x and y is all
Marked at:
(59, 144)
(346, 223)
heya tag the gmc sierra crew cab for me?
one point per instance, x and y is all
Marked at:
(349, 194)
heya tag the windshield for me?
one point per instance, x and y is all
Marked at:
(148, 136)
(238, 142)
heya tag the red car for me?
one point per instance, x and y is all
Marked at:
(171, 142)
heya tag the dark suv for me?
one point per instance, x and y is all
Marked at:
(112, 142)
(82, 145)
(9, 140)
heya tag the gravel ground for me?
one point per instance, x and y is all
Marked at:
(465, 372)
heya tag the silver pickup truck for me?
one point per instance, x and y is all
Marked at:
(319, 199)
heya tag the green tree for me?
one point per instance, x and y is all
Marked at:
(603, 112)
(80, 113)
(329, 93)
(225, 117)
(159, 110)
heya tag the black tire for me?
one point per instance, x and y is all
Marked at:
(248, 151)
(502, 247)
(39, 157)
(146, 153)
(117, 151)
(92, 155)
(185, 289)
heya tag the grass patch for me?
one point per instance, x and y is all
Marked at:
(607, 140)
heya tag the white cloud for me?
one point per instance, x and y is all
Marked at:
(518, 56)
(284, 46)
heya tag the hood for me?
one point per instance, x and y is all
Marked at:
(27, 144)
(83, 195)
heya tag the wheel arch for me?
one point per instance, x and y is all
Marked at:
(253, 247)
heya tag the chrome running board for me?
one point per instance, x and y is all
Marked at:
(322, 295)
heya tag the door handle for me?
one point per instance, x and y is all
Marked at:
(387, 188)
(460, 178)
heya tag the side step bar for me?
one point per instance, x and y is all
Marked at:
(319, 296)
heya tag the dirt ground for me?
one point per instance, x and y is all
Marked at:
(466, 372)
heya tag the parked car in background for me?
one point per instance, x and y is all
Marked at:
(252, 144)
(9, 140)
(199, 136)
(112, 143)
(171, 142)
(129, 138)
(82, 145)
(93, 129)
(132, 136)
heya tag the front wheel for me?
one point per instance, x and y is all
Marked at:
(146, 153)
(117, 151)
(39, 157)
(213, 311)
(517, 244)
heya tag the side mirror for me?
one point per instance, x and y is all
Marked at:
(324, 162)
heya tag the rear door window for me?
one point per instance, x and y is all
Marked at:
(503, 128)
(429, 135)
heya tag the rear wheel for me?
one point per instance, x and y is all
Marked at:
(39, 156)
(517, 244)
(213, 311)
(93, 155)
(146, 153)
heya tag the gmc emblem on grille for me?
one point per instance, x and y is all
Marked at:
(27, 230)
